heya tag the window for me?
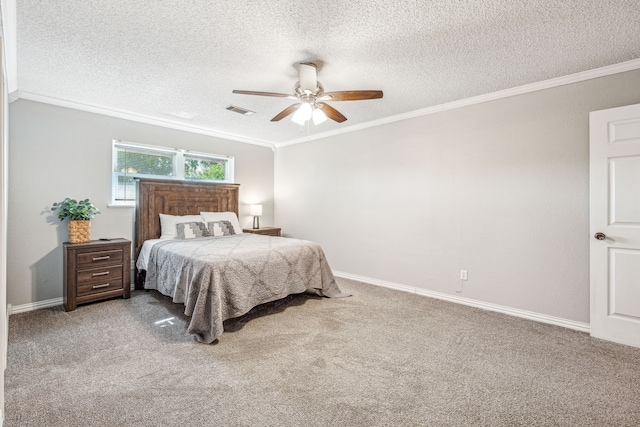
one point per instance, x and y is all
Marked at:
(131, 161)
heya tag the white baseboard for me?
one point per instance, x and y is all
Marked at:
(570, 324)
(543, 318)
(13, 309)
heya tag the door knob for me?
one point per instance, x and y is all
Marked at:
(600, 236)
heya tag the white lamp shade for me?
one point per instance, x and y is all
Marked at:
(318, 116)
(303, 114)
(256, 210)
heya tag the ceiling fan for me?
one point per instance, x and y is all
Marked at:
(311, 98)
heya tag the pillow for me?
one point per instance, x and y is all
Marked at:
(220, 228)
(168, 224)
(191, 230)
(223, 216)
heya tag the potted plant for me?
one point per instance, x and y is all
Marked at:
(79, 215)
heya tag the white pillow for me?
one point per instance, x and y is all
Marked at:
(223, 216)
(168, 224)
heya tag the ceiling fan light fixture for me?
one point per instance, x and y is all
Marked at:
(318, 116)
(303, 114)
(310, 95)
(298, 120)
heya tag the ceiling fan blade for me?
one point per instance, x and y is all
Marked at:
(332, 113)
(251, 92)
(308, 76)
(284, 113)
(354, 95)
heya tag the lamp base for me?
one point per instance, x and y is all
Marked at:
(256, 222)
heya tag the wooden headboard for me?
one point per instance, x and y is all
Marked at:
(155, 196)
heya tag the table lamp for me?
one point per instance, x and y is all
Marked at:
(256, 212)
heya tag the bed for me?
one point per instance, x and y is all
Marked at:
(222, 277)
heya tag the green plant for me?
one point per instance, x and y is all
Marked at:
(83, 210)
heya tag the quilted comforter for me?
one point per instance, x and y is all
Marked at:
(218, 278)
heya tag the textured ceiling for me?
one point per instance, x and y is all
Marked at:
(179, 61)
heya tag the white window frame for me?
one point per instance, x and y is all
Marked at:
(178, 166)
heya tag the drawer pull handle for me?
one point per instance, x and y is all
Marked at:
(100, 258)
(106, 285)
(104, 273)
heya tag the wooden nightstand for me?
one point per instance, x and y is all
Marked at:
(267, 231)
(96, 270)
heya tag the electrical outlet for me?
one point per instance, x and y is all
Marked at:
(463, 274)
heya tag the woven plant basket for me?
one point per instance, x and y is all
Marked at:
(79, 231)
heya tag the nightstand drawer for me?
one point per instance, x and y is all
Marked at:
(98, 258)
(98, 287)
(99, 274)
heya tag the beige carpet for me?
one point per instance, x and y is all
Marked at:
(379, 358)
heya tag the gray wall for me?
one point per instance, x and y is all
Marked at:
(57, 152)
(500, 189)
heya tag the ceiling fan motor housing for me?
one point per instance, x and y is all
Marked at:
(305, 95)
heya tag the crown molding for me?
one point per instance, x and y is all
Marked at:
(520, 90)
(126, 115)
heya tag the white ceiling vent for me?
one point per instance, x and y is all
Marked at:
(240, 110)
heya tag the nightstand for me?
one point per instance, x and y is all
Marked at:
(266, 231)
(96, 270)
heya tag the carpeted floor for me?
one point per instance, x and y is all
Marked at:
(379, 358)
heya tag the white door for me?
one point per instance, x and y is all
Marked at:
(615, 224)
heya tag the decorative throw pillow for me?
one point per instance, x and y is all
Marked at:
(223, 216)
(168, 224)
(220, 228)
(191, 230)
